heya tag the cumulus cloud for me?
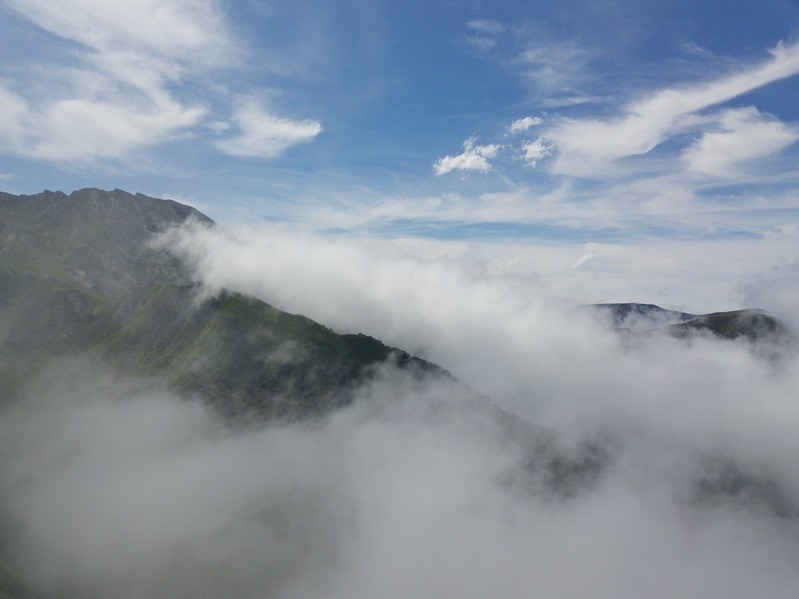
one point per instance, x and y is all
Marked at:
(587, 147)
(744, 135)
(523, 124)
(534, 151)
(264, 135)
(473, 158)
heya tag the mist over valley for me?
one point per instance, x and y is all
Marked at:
(197, 410)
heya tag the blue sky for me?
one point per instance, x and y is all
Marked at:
(583, 125)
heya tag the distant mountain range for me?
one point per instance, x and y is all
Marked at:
(753, 324)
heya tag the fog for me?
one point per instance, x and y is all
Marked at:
(114, 487)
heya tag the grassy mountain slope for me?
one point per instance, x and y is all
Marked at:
(77, 275)
(751, 324)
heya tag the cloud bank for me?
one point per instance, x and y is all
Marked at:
(115, 487)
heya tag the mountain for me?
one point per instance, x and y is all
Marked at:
(640, 317)
(752, 324)
(755, 325)
(77, 275)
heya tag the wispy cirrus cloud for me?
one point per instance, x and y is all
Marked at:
(179, 30)
(115, 98)
(589, 147)
(600, 174)
(122, 86)
(554, 68)
(264, 135)
(742, 135)
(80, 131)
(483, 34)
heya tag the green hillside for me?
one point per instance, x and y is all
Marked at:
(77, 276)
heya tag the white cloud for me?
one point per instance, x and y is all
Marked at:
(525, 123)
(182, 30)
(138, 495)
(776, 291)
(535, 150)
(13, 114)
(218, 126)
(486, 26)
(482, 43)
(744, 135)
(121, 97)
(473, 158)
(583, 260)
(555, 69)
(81, 129)
(485, 35)
(117, 99)
(588, 147)
(508, 334)
(264, 135)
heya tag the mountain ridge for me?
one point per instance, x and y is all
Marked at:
(751, 323)
(78, 274)
(78, 277)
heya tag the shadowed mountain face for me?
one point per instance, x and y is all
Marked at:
(92, 240)
(77, 275)
(640, 317)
